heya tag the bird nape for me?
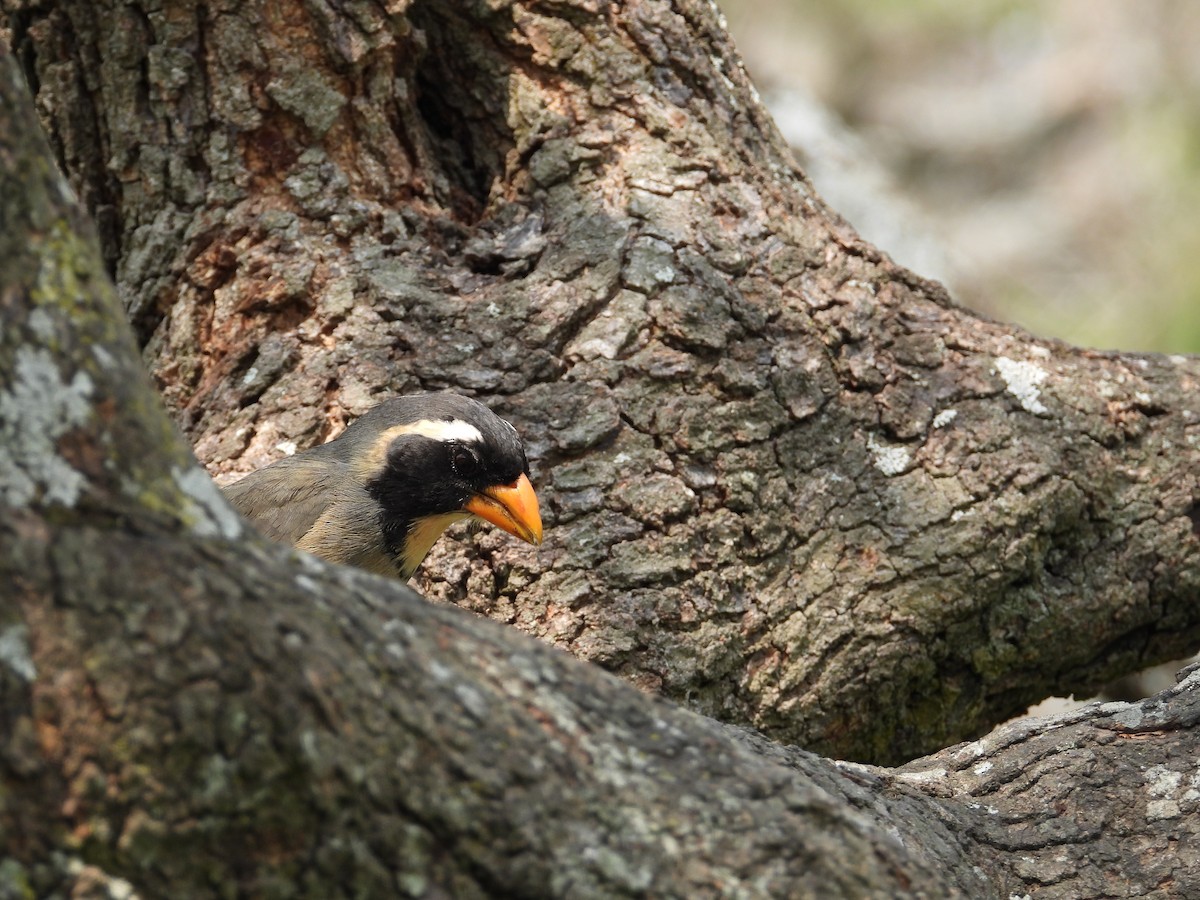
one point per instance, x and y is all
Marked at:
(380, 494)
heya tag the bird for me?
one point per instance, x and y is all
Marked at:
(380, 494)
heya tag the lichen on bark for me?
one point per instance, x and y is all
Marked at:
(787, 483)
(877, 515)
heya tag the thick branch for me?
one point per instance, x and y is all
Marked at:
(1099, 802)
(188, 711)
(789, 482)
(169, 685)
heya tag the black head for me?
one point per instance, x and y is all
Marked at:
(429, 459)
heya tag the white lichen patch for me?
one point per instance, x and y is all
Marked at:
(42, 324)
(944, 418)
(14, 652)
(1162, 784)
(929, 776)
(208, 514)
(1022, 378)
(34, 413)
(890, 459)
(972, 750)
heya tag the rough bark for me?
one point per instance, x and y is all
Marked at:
(789, 483)
(189, 711)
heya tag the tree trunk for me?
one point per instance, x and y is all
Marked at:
(789, 484)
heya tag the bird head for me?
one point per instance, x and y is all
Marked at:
(431, 459)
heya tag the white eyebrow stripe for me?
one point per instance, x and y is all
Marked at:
(371, 462)
(441, 430)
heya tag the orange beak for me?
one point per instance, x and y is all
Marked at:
(513, 507)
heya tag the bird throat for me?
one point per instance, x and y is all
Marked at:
(422, 535)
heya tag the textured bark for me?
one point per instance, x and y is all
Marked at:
(1100, 802)
(186, 710)
(190, 711)
(789, 483)
(746, 331)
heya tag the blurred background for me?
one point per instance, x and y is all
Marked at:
(1040, 158)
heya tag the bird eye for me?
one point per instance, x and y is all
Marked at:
(465, 462)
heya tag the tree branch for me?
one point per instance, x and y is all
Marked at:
(788, 482)
(188, 710)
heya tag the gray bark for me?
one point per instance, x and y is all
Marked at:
(788, 483)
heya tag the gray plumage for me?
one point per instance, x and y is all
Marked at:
(328, 500)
